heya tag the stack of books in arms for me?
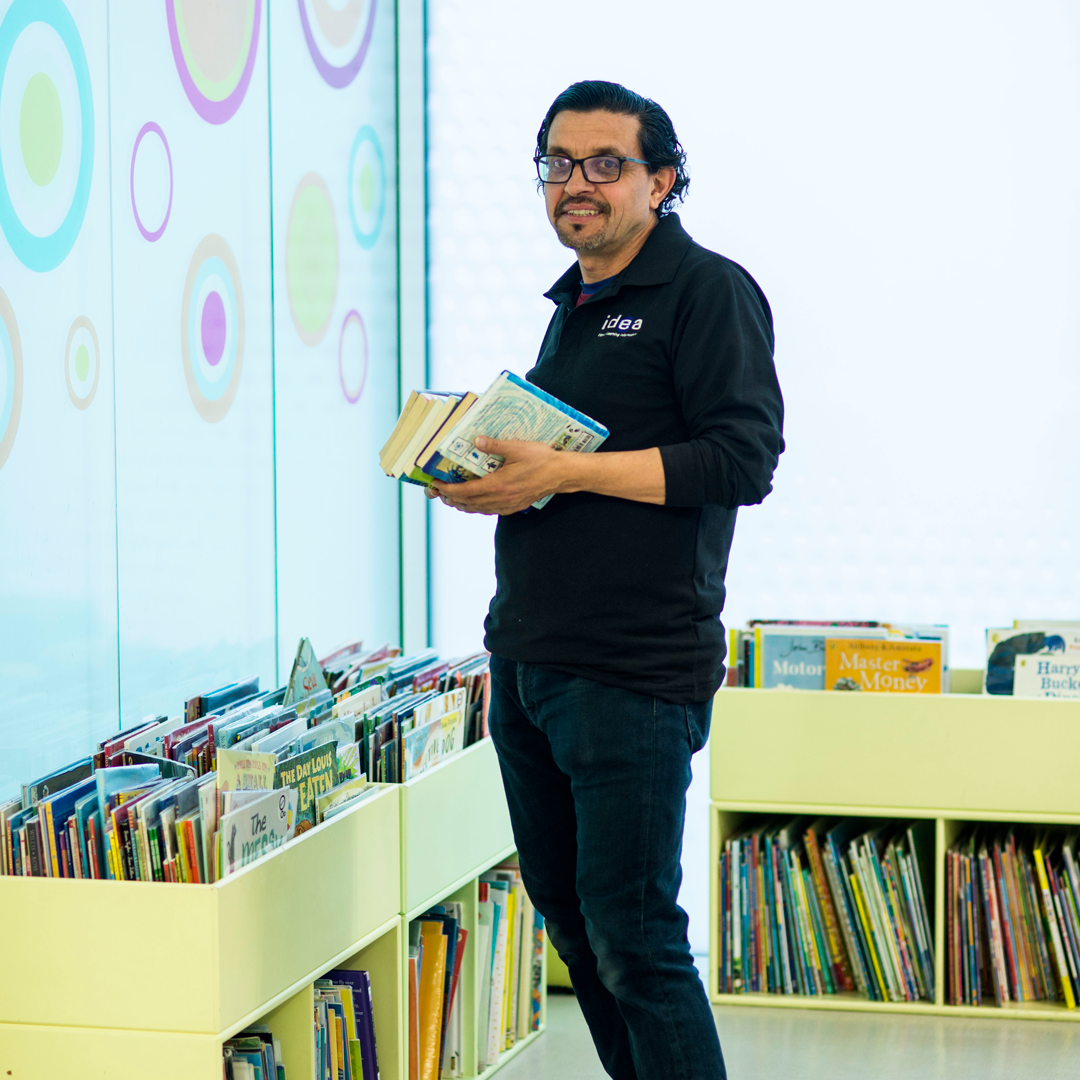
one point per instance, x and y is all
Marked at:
(1033, 658)
(196, 797)
(1012, 908)
(870, 656)
(826, 907)
(509, 944)
(435, 435)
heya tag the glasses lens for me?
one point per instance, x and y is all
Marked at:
(602, 170)
(554, 170)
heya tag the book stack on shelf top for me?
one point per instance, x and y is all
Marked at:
(194, 798)
(868, 656)
(435, 435)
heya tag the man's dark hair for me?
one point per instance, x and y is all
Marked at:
(660, 146)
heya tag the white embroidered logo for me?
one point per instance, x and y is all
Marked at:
(620, 326)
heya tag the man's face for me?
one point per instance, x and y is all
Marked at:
(601, 217)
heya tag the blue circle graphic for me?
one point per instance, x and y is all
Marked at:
(42, 253)
(367, 135)
(213, 266)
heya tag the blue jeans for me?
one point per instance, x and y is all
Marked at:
(596, 780)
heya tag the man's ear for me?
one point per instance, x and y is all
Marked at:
(663, 181)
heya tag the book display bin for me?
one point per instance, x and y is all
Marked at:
(952, 758)
(132, 979)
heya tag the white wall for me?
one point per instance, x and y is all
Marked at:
(902, 180)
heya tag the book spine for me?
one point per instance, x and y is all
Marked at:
(1055, 937)
(842, 975)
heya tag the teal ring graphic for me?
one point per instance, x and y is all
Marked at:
(42, 253)
(367, 134)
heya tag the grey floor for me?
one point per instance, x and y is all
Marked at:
(792, 1044)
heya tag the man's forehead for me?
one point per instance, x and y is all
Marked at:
(598, 132)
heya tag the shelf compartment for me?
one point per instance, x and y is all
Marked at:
(896, 752)
(455, 824)
(725, 820)
(223, 955)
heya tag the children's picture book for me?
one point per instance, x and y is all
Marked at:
(1047, 675)
(888, 666)
(245, 770)
(306, 677)
(311, 773)
(252, 831)
(1058, 642)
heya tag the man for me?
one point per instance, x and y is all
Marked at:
(604, 631)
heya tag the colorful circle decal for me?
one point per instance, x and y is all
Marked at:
(352, 357)
(152, 178)
(338, 36)
(311, 258)
(212, 328)
(82, 362)
(10, 378)
(46, 132)
(214, 46)
(367, 186)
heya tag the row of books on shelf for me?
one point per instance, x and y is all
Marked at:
(509, 952)
(1013, 916)
(826, 907)
(869, 656)
(1033, 658)
(343, 1025)
(195, 797)
(254, 1054)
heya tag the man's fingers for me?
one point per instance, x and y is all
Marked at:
(502, 447)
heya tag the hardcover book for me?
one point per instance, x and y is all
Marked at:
(888, 666)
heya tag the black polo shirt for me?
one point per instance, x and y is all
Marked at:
(677, 352)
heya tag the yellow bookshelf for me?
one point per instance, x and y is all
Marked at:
(129, 979)
(455, 826)
(951, 758)
(126, 979)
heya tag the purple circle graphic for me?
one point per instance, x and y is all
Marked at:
(352, 396)
(213, 329)
(337, 77)
(145, 130)
(213, 112)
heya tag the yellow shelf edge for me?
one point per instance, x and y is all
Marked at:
(453, 887)
(842, 1003)
(840, 810)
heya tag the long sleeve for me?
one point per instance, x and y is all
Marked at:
(726, 384)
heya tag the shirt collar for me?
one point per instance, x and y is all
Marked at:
(655, 264)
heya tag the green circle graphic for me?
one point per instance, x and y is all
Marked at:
(367, 187)
(82, 363)
(311, 259)
(41, 129)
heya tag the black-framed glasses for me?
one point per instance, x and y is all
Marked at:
(599, 169)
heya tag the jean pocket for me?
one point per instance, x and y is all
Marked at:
(698, 717)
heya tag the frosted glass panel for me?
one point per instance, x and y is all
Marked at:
(155, 539)
(194, 431)
(57, 524)
(335, 325)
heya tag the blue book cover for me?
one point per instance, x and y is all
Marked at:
(793, 661)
